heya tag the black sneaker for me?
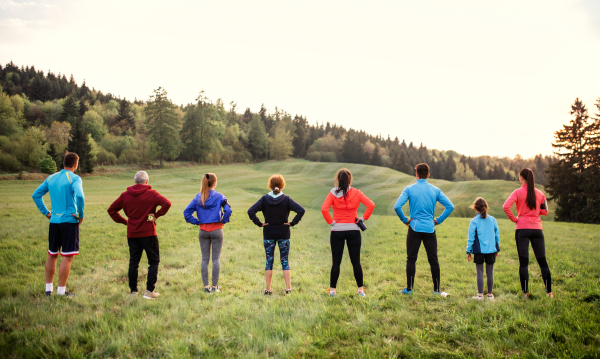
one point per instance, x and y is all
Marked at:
(48, 293)
(268, 292)
(207, 290)
(288, 291)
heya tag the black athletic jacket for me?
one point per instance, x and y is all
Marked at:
(276, 212)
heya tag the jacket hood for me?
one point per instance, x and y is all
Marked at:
(274, 200)
(214, 199)
(340, 194)
(138, 189)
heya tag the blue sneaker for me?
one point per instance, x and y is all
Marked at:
(48, 293)
(331, 292)
(406, 291)
(443, 294)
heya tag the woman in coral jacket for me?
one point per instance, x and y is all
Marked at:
(344, 229)
(531, 203)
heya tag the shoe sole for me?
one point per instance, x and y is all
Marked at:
(146, 297)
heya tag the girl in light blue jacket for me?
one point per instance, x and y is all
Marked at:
(484, 244)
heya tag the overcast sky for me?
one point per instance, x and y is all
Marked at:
(479, 77)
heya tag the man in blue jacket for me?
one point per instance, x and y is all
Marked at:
(422, 198)
(66, 196)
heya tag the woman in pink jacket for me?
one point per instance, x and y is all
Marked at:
(531, 203)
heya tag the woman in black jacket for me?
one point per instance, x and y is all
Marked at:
(276, 208)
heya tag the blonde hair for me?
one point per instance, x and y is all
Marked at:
(276, 183)
(481, 206)
(208, 181)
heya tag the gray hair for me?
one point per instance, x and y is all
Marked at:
(141, 177)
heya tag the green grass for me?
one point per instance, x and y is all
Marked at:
(104, 321)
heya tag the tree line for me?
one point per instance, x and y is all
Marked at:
(42, 115)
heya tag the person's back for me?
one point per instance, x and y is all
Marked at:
(422, 198)
(66, 196)
(483, 235)
(138, 201)
(527, 218)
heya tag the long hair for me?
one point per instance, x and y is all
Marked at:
(276, 183)
(481, 206)
(528, 176)
(343, 180)
(208, 181)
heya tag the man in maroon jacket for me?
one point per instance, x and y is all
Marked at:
(139, 203)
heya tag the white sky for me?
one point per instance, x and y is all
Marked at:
(478, 77)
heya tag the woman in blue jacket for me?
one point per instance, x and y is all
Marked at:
(484, 244)
(213, 212)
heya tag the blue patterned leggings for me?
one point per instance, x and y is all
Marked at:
(284, 251)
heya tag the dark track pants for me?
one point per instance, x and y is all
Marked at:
(536, 236)
(413, 243)
(353, 240)
(136, 247)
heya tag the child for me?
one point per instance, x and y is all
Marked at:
(484, 243)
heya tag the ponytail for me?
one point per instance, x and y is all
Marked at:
(528, 176)
(276, 183)
(481, 206)
(343, 180)
(208, 181)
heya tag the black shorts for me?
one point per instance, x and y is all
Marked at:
(63, 238)
(489, 258)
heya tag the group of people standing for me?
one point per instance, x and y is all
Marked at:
(212, 211)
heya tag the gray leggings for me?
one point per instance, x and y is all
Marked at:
(489, 271)
(206, 239)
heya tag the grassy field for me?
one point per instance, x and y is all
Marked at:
(104, 321)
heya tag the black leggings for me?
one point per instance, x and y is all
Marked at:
(536, 237)
(413, 243)
(337, 240)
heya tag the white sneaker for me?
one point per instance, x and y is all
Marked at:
(151, 295)
(443, 294)
(478, 297)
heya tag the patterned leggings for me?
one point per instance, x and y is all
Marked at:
(284, 251)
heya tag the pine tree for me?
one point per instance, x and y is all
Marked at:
(163, 125)
(124, 118)
(257, 138)
(70, 111)
(300, 138)
(199, 131)
(79, 143)
(376, 158)
(449, 168)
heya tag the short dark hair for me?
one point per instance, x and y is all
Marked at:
(422, 170)
(70, 159)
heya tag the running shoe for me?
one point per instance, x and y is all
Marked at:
(491, 297)
(361, 292)
(524, 295)
(207, 290)
(550, 295)
(48, 293)
(406, 291)
(443, 294)
(288, 291)
(67, 295)
(216, 289)
(478, 297)
(268, 292)
(331, 292)
(151, 295)
(133, 294)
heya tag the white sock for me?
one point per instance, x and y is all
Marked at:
(49, 287)
(61, 290)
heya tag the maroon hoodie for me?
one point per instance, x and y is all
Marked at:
(137, 203)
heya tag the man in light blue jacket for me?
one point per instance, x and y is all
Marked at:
(66, 196)
(422, 198)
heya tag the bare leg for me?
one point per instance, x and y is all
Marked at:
(287, 276)
(50, 268)
(64, 270)
(268, 277)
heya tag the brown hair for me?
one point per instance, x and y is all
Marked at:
(70, 159)
(422, 170)
(276, 183)
(528, 176)
(481, 206)
(343, 180)
(208, 181)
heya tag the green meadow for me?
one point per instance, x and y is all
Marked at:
(104, 321)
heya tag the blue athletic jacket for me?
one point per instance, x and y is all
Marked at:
(66, 197)
(211, 212)
(422, 197)
(484, 237)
